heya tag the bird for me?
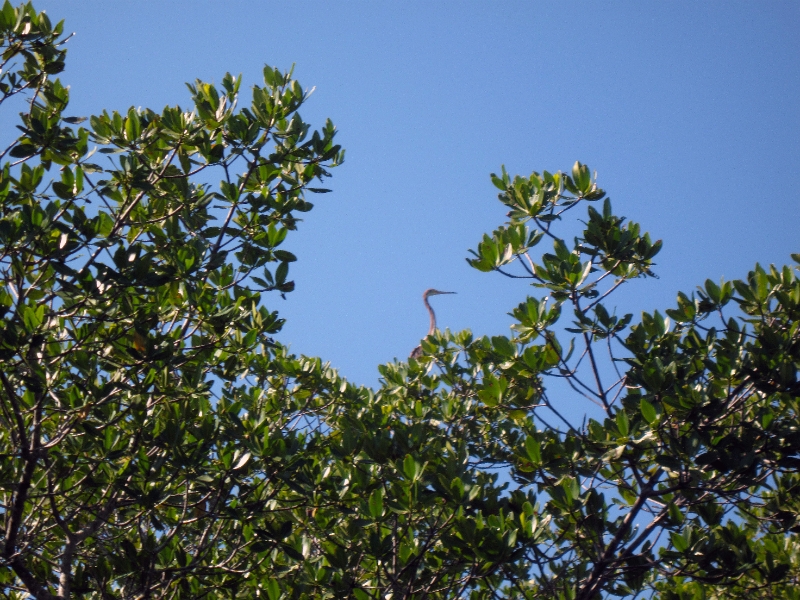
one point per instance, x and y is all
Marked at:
(417, 352)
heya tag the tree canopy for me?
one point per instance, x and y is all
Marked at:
(158, 442)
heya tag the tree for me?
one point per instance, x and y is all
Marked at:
(157, 442)
(131, 314)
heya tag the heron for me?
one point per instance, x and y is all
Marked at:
(417, 352)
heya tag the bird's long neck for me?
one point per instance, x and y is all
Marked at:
(433, 316)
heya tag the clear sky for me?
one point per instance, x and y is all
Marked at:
(688, 112)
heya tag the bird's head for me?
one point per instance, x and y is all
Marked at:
(433, 292)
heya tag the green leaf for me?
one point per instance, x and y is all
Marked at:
(62, 191)
(241, 461)
(680, 543)
(648, 411)
(104, 224)
(133, 127)
(713, 291)
(581, 177)
(33, 316)
(498, 183)
(376, 503)
(411, 468)
(273, 590)
(533, 449)
(503, 346)
(281, 273)
(23, 150)
(285, 256)
(91, 168)
(622, 422)
(457, 488)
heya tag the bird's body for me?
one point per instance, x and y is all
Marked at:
(417, 352)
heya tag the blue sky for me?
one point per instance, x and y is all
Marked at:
(688, 112)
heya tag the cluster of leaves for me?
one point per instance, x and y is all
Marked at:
(130, 314)
(158, 443)
(687, 482)
(463, 476)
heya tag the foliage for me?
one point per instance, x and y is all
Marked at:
(687, 482)
(132, 322)
(157, 442)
